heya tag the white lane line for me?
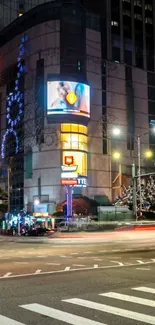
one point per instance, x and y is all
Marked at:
(81, 258)
(67, 268)
(53, 264)
(78, 265)
(38, 272)
(59, 315)
(74, 253)
(133, 299)
(7, 275)
(119, 263)
(113, 310)
(95, 266)
(144, 289)
(87, 252)
(153, 259)
(143, 269)
(64, 256)
(91, 268)
(140, 262)
(8, 321)
(21, 263)
(97, 259)
(42, 256)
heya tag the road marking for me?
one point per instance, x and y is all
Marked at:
(97, 259)
(42, 256)
(143, 269)
(67, 268)
(140, 262)
(136, 300)
(62, 256)
(38, 272)
(20, 262)
(112, 310)
(81, 258)
(95, 266)
(119, 263)
(87, 252)
(59, 315)
(7, 275)
(53, 264)
(144, 289)
(78, 265)
(91, 268)
(8, 321)
(74, 253)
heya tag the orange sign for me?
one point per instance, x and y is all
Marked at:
(69, 182)
(69, 160)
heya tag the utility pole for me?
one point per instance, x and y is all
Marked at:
(8, 172)
(134, 190)
(139, 173)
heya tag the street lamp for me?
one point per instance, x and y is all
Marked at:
(116, 131)
(148, 154)
(116, 155)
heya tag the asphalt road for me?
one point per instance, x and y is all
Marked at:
(112, 296)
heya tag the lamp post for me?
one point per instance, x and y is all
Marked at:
(148, 154)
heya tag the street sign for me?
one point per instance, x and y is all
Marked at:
(69, 181)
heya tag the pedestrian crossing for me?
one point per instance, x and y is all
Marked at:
(107, 306)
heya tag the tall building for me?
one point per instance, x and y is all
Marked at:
(70, 73)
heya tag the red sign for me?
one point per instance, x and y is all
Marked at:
(69, 160)
(69, 182)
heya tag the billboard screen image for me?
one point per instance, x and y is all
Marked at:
(68, 97)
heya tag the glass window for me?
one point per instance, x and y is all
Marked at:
(151, 79)
(75, 128)
(138, 16)
(151, 93)
(114, 23)
(148, 20)
(151, 108)
(74, 141)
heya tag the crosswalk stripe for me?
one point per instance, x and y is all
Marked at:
(8, 321)
(59, 315)
(144, 289)
(137, 300)
(113, 310)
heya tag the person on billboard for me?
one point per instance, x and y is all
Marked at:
(63, 89)
(81, 102)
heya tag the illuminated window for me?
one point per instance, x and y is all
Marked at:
(148, 20)
(20, 14)
(74, 141)
(75, 128)
(80, 159)
(114, 23)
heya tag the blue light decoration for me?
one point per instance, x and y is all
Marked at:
(15, 97)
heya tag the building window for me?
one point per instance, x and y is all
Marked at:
(138, 17)
(93, 22)
(151, 93)
(126, 12)
(151, 108)
(74, 141)
(148, 20)
(20, 14)
(148, 7)
(137, 3)
(114, 23)
(74, 128)
(151, 79)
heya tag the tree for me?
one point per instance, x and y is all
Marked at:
(147, 195)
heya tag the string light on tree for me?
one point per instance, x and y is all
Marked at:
(15, 99)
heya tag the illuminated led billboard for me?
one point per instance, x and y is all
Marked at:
(67, 97)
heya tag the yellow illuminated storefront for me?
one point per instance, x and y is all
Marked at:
(74, 142)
